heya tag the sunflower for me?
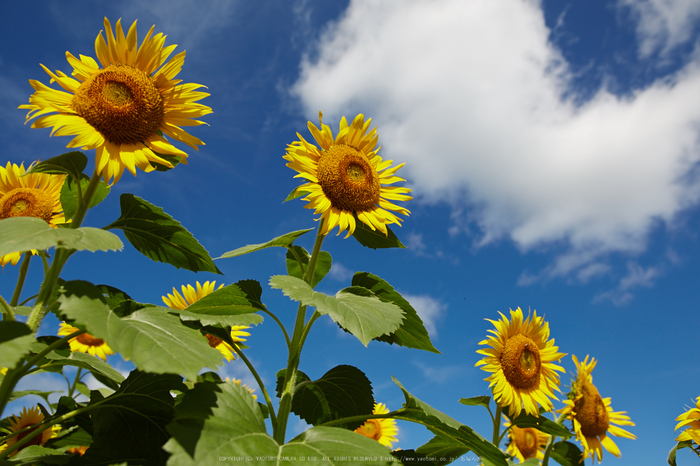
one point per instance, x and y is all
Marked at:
(382, 430)
(240, 382)
(521, 359)
(346, 178)
(690, 419)
(592, 416)
(85, 343)
(28, 417)
(122, 106)
(526, 442)
(191, 295)
(35, 195)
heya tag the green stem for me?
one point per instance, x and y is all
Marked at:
(71, 388)
(497, 425)
(7, 313)
(364, 417)
(290, 376)
(46, 291)
(22, 276)
(550, 442)
(284, 330)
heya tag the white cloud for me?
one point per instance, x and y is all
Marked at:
(340, 273)
(663, 25)
(470, 96)
(637, 276)
(429, 309)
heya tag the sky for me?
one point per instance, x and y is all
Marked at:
(552, 148)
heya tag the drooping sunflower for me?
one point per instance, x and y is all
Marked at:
(191, 295)
(691, 420)
(383, 431)
(592, 416)
(85, 343)
(521, 358)
(122, 106)
(27, 418)
(35, 195)
(526, 442)
(346, 177)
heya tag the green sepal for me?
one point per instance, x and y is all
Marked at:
(159, 237)
(296, 193)
(375, 239)
(284, 241)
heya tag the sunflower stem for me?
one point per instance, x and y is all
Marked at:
(7, 313)
(20, 279)
(550, 442)
(497, 425)
(290, 376)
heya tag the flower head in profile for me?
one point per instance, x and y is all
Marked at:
(526, 442)
(592, 415)
(521, 359)
(123, 105)
(85, 343)
(27, 418)
(189, 296)
(691, 420)
(346, 178)
(382, 430)
(34, 195)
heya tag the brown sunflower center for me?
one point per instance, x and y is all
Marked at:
(214, 341)
(348, 179)
(591, 412)
(526, 441)
(122, 103)
(372, 429)
(88, 340)
(521, 362)
(26, 202)
(35, 441)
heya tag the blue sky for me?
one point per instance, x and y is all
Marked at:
(552, 148)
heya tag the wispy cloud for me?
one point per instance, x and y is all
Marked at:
(429, 309)
(479, 103)
(636, 277)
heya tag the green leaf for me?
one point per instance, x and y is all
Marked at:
(153, 338)
(453, 434)
(215, 421)
(102, 371)
(69, 194)
(296, 193)
(540, 423)
(413, 457)
(412, 332)
(71, 163)
(234, 304)
(355, 309)
(476, 401)
(16, 340)
(323, 264)
(566, 453)
(159, 237)
(131, 423)
(343, 391)
(442, 451)
(672, 453)
(18, 234)
(375, 239)
(34, 454)
(284, 241)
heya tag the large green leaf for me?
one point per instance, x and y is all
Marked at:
(159, 237)
(484, 401)
(284, 241)
(16, 340)
(69, 194)
(19, 234)
(234, 304)
(343, 391)
(566, 454)
(355, 309)
(222, 422)
(71, 163)
(153, 338)
(130, 425)
(323, 264)
(375, 239)
(100, 369)
(412, 332)
(540, 423)
(442, 450)
(454, 435)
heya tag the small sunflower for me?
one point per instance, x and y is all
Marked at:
(191, 295)
(526, 442)
(382, 430)
(27, 418)
(592, 416)
(691, 420)
(122, 106)
(521, 359)
(346, 178)
(35, 195)
(85, 343)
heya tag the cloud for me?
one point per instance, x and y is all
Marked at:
(663, 25)
(637, 276)
(429, 309)
(479, 104)
(340, 273)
